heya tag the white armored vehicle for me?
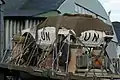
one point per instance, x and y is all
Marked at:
(66, 44)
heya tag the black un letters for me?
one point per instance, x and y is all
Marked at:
(45, 36)
(95, 37)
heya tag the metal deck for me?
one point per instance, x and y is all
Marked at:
(31, 73)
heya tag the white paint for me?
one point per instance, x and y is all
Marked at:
(90, 36)
(63, 31)
(49, 36)
(43, 43)
(52, 36)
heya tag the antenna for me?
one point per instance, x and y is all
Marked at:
(109, 13)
